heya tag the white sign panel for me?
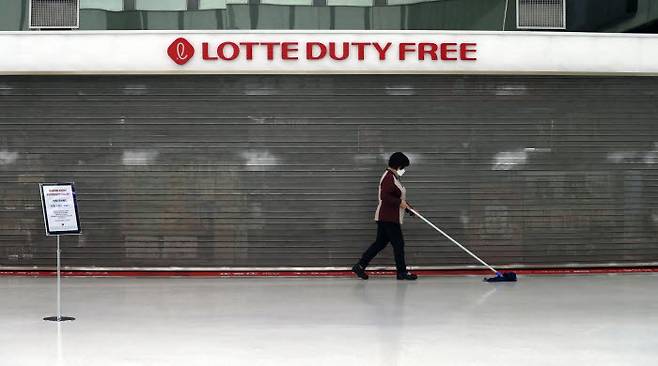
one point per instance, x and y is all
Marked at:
(60, 209)
(326, 52)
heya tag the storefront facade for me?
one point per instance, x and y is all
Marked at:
(230, 149)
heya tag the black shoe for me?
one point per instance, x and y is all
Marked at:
(407, 276)
(360, 271)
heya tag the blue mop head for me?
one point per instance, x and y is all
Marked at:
(502, 277)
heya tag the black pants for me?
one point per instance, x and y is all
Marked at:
(387, 232)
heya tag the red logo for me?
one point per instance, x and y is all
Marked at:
(181, 51)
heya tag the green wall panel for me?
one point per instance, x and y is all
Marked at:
(13, 15)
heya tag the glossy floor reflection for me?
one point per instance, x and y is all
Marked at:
(556, 320)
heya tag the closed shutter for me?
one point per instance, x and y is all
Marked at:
(282, 171)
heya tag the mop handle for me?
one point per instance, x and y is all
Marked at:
(453, 240)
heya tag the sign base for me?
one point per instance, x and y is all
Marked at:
(58, 318)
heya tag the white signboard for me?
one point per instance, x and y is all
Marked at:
(60, 208)
(327, 52)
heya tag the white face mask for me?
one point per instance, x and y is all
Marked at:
(400, 172)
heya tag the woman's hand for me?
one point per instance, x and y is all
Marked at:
(404, 204)
(407, 208)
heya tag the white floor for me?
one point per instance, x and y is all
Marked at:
(556, 320)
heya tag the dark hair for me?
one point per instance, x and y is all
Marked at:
(398, 161)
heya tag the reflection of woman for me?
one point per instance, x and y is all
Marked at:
(389, 217)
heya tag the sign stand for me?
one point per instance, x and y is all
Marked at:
(60, 213)
(59, 317)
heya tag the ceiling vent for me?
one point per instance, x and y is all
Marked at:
(54, 14)
(541, 14)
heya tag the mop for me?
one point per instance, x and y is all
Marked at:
(500, 277)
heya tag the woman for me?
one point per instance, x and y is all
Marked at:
(389, 217)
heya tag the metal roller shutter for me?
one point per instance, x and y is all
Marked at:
(215, 171)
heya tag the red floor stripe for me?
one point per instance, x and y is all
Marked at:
(538, 271)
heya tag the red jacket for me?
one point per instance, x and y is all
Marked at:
(391, 194)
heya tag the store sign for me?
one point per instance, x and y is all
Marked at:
(327, 52)
(181, 51)
(60, 208)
